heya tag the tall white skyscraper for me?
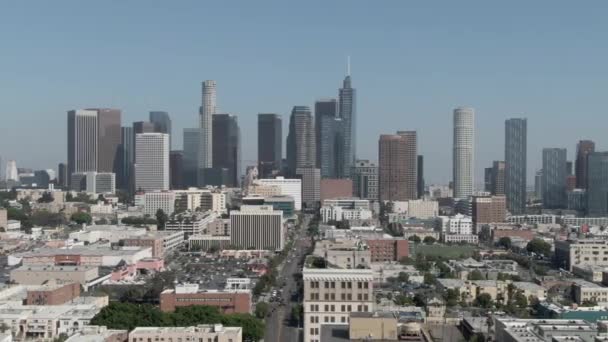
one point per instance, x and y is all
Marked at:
(207, 109)
(151, 161)
(11, 171)
(464, 151)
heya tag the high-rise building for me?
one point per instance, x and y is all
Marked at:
(420, 176)
(126, 152)
(597, 183)
(270, 143)
(463, 151)
(300, 140)
(12, 174)
(569, 168)
(161, 122)
(516, 140)
(328, 137)
(554, 178)
(143, 127)
(62, 175)
(227, 146)
(365, 180)
(151, 161)
(206, 111)
(82, 141)
(176, 169)
(311, 186)
(583, 149)
(487, 179)
(498, 178)
(489, 209)
(348, 115)
(109, 136)
(260, 227)
(397, 166)
(191, 146)
(538, 184)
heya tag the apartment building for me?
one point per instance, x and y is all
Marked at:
(582, 252)
(207, 332)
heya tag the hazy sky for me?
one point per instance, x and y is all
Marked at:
(412, 63)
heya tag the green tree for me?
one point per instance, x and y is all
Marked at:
(539, 246)
(403, 277)
(484, 300)
(414, 239)
(429, 278)
(505, 242)
(429, 240)
(46, 197)
(403, 300)
(161, 219)
(81, 218)
(451, 297)
(419, 299)
(521, 300)
(297, 311)
(485, 235)
(261, 310)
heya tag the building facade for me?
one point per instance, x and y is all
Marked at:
(260, 227)
(206, 111)
(270, 144)
(554, 178)
(597, 183)
(397, 166)
(301, 140)
(328, 136)
(365, 180)
(516, 147)
(311, 186)
(227, 146)
(191, 143)
(463, 152)
(583, 149)
(152, 161)
(347, 107)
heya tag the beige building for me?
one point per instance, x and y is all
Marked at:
(344, 253)
(207, 332)
(331, 295)
(582, 252)
(531, 290)
(589, 273)
(471, 289)
(435, 310)
(378, 325)
(37, 275)
(3, 220)
(585, 291)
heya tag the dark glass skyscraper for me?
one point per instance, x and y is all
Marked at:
(161, 122)
(109, 127)
(583, 149)
(328, 138)
(597, 191)
(420, 175)
(227, 146)
(270, 143)
(554, 178)
(124, 177)
(348, 115)
(300, 140)
(176, 171)
(190, 158)
(516, 140)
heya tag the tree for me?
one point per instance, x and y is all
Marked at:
(539, 246)
(485, 234)
(81, 218)
(403, 300)
(505, 242)
(484, 300)
(451, 297)
(419, 299)
(429, 278)
(429, 240)
(47, 219)
(161, 219)
(414, 239)
(475, 275)
(261, 310)
(46, 197)
(403, 277)
(296, 313)
(521, 300)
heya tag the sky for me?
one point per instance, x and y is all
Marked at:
(413, 62)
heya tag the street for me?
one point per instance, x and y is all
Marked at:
(278, 323)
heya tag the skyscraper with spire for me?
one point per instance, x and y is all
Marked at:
(347, 111)
(207, 109)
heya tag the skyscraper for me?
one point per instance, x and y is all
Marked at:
(597, 184)
(142, 127)
(12, 174)
(151, 161)
(516, 140)
(327, 136)
(583, 149)
(206, 111)
(62, 175)
(109, 136)
(82, 141)
(191, 145)
(365, 180)
(420, 175)
(270, 143)
(300, 140)
(397, 166)
(348, 115)
(498, 178)
(463, 151)
(176, 163)
(311, 186)
(554, 178)
(227, 146)
(161, 122)
(126, 152)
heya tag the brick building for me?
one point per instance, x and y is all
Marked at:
(53, 295)
(391, 249)
(524, 234)
(489, 209)
(233, 301)
(336, 188)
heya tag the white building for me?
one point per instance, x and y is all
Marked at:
(461, 238)
(100, 182)
(215, 333)
(532, 219)
(347, 203)
(151, 161)
(463, 152)
(334, 213)
(417, 208)
(201, 199)
(458, 224)
(191, 223)
(152, 201)
(207, 109)
(101, 209)
(288, 187)
(257, 226)
(110, 233)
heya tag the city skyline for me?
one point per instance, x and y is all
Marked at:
(380, 81)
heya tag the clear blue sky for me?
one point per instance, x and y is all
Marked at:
(412, 63)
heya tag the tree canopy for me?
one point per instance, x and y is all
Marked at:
(539, 246)
(81, 217)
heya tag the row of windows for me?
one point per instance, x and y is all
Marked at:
(343, 308)
(343, 296)
(343, 284)
(177, 339)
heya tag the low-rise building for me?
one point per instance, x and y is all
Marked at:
(581, 252)
(53, 294)
(588, 292)
(387, 249)
(344, 253)
(232, 301)
(531, 290)
(509, 329)
(96, 333)
(215, 333)
(80, 256)
(205, 242)
(336, 213)
(38, 274)
(590, 273)
(460, 238)
(191, 223)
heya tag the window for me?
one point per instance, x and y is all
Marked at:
(349, 285)
(326, 284)
(343, 296)
(366, 297)
(333, 319)
(333, 284)
(326, 296)
(343, 285)
(325, 319)
(365, 285)
(359, 296)
(312, 331)
(359, 285)
(343, 307)
(312, 319)
(332, 296)
(326, 308)
(333, 308)
(349, 296)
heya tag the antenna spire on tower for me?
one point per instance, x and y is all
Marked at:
(347, 65)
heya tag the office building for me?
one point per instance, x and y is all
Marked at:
(190, 160)
(311, 186)
(154, 200)
(489, 209)
(597, 183)
(257, 227)
(365, 180)
(577, 200)
(581, 253)
(347, 112)
(538, 184)
(109, 138)
(270, 144)
(201, 332)
(227, 301)
(11, 171)
(140, 127)
(82, 143)
(420, 176)
(496, 179)
(509, 329)
(176, 169)
(583, 149)
(206, 111)
(554, 178)
(397, 166)
(463, 152)
(516, 147)
(126, 152)
(331, 295)
(161, 122)
(283, 187)
(152, 161)
(62, 175)
(336, 188)
(300, 140)
(328, 135)
(100, 183)
(4, 219)
(227, 146)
